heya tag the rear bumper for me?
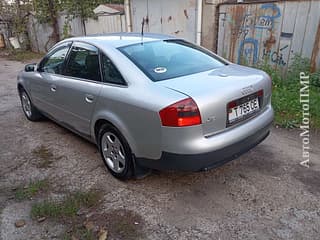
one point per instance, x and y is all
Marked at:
(197, 162)
(217, 156)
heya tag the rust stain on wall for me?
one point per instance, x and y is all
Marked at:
(237, 16)
(270, 41)
(186, 14)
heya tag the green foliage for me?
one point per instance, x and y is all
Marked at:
(73, 8)
(80, 8)
(315, 78)
(286, 93)
(302, 64)
(27, 192)
(66, 29)
(275, 74)
(16, 13)
(68, 207)
(46, 9)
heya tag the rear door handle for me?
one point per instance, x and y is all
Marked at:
(89, 98)
(53, 88)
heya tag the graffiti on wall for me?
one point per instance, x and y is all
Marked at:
(253, 34)
(275, 56)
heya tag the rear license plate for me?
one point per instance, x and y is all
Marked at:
(243, 110)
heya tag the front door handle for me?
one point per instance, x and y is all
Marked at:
(53, 88)
(89, 98)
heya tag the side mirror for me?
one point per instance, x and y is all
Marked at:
(30, 67)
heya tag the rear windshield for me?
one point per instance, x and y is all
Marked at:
(161, 60)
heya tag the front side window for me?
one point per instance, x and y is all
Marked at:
(83, 63)
(161, 60)
(54, 63)
(110, 72)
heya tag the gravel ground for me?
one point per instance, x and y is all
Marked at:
(264, 194)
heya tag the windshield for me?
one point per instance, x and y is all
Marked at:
(161, 60)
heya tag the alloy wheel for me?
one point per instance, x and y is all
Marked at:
(113, 152)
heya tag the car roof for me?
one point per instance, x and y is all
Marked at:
(120, 39)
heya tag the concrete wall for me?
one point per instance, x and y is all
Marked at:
(209, 24)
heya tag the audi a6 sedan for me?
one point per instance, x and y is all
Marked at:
(149, 102)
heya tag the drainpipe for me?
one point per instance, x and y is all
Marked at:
(199, 22)
(127, 15)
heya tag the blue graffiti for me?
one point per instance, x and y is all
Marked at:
(267, 21)
(263, 21)
(274, 8)
(248, 48)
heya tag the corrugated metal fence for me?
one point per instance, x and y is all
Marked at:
(40, 34)
(271, 31)
(106, 24)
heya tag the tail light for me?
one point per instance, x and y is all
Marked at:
(181, 114)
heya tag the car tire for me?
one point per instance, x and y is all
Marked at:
(115, 152)
(29, 110)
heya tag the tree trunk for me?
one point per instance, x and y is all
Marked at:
(84, 26)
(53, 15)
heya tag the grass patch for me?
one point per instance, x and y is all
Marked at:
(66, 208)
(80, 233)
(286, 94)
(118, 224)
(45, 156)
(22, 56)
(288, 110)
(30, 191)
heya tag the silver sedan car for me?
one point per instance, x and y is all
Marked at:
(150, 102)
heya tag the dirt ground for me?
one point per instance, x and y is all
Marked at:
(264, 194)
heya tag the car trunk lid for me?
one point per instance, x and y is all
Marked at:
(213, 90)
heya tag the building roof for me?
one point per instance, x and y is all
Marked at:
(109, 8)
(119, 7)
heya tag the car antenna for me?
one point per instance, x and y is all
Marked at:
(142, 27)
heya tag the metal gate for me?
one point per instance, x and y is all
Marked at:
(175, 18)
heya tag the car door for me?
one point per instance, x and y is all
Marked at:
(43, 84)
(78, 90)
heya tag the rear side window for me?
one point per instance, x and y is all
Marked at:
(110, 72)
(161, 60)
(83, 63)
(54, 63)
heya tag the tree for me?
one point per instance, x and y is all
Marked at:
(47, 12)
(15, 15)
(81, 8)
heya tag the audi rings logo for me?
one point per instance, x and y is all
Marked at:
(247, 90)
